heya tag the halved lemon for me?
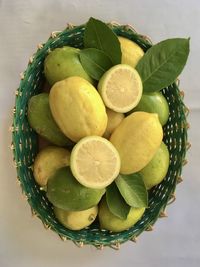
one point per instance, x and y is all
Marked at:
(95, 162)
(120, 88)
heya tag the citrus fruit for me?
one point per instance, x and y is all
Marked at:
(41, 120)
(76, 220)
(131, 52)
(154, 103)
(120, 88)
(48, 161)
(94, 162)
(62, 63)
(66, 193)
(77, 108)
(113, 223)
(136, 139)
(155, 171)
(114, 119)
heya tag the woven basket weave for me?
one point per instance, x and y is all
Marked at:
(25, 145)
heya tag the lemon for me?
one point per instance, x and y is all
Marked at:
(113, 223)
(62, 63)
(120, 88)
(76, 220)
(155, 171)
(66, 193)
(95, 162)
(48, 161)
(77, 108)
(154, 103)
(136, 139)
(131, 52)
(114, 119)
(41, 120)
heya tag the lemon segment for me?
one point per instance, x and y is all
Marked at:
(131, 52)
(137, 139)
(120, 88)
(95, 162)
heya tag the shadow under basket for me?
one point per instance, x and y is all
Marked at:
(25, 146)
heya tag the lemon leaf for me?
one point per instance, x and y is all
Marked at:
(95, 62)
(162, 63)
(116, 203)
(98, 35)
(132, 189)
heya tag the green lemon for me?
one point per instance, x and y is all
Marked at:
(41, 120)
(76, 220)
(62, 63)
(48, 160)
(110, 222)
(66, 193)
(154, 103)
(155, 171)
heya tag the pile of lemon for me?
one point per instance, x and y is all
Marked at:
(109, 128)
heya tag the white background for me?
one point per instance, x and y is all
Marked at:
(175, 241)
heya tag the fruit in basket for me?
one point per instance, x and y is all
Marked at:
(154, 103)
(131, 52)
(48, 161)
(66, 193)
(113, 223)
(137, 139)
(76, 220)
(95, 162)
(62, 63)
(155, 171)
(114, 119)
(41, 120)
(77, 108)
(120, 88)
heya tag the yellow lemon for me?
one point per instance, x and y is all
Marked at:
(136, 139)
(76, 220)
(114, 119)
(95, 162)
(131, 52)
(77, 108)
(113, 223)
(48, 161)
(120, 88)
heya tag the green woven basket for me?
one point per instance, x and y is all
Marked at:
(25, 145)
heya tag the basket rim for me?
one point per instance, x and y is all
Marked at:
(14, 130)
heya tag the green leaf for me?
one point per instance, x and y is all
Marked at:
(133, 189)
(99, 35)
(95, 62)
(162, 63)
(116, 203)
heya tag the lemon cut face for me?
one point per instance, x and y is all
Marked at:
(120, 88)
(95, 162)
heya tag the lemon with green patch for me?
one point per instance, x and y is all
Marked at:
(62, 63)
(155, 171)
(113, 223)
(76, 220)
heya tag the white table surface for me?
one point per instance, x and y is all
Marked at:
(175, 241)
